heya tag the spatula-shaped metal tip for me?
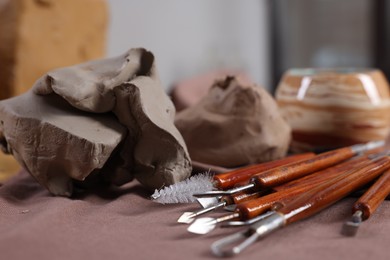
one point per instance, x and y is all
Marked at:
(186, 218)
(202, 226)
(350, 228)
(207, 202)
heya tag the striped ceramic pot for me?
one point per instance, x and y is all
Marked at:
(329, 108)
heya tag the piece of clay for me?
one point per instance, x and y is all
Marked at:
(54, 141)
(128, 85)
(190, 91)
(235, 124)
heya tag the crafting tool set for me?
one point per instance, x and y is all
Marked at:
(269, 196)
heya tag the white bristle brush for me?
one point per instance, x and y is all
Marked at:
(181, 192)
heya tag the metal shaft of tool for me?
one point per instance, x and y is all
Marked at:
(206, 210)
(247, 222)
(214, 193)
(227, 217)
(225, 246)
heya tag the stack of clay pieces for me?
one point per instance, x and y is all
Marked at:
(101, 121)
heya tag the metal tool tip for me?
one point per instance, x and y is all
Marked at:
(186, 218)
(207, 202)
(350, 229)
(202, 226)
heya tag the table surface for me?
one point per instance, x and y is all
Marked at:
(123, 223)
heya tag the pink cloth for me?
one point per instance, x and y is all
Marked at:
(125, 224)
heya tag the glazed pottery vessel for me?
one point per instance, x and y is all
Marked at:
(330, 108)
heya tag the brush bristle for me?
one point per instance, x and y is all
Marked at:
(182, 192)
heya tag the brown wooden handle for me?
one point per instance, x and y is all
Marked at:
(328, 193)
(258, 206)
(292, 171)
(253, 208)
(325, 174)
(242, 197)
(230, 179)
(374, 196)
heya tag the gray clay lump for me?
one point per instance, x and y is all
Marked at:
(109, 117)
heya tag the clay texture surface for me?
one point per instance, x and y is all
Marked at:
(143, 142)
(235, 124)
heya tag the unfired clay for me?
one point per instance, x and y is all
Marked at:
(56, 142)
(128, 87)
(235, 124)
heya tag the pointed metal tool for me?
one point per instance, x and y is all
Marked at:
(188, 217)
(215, 203)
(203, 226)
(208, 202)
(214, 193)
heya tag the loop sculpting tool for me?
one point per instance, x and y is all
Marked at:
(303, 206)
(367, 204)
(295, 170)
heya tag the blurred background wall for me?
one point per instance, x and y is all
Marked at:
(194, 37)
(262, 37)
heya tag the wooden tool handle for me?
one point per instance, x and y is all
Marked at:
(374, 196)
(253, 208)
(242, 197)
(325, 174)
(326, 194)
(230, 179)
(292, 171)
(256, 207)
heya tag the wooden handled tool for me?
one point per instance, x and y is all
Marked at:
(295, 170)
(230, 179)
(321, 197)
(188, 217)
(253, 208)
(330, 172)
(368, 203)
(303, 206)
